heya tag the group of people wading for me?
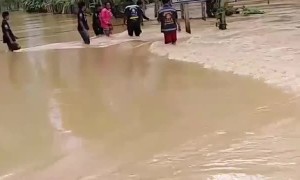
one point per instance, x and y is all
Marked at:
(133, 18)
(102, 22)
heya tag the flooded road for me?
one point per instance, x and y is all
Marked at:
(94, 114)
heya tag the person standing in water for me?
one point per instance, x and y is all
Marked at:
(210, 8)
(106, 19)
(8, 37)
(96, 21)
(141, 4)
(83, 26)
(133, 18)
(168, 18)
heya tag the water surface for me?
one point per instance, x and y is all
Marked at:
(122, 113)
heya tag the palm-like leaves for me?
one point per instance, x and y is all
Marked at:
(55, 6)
(9, 4)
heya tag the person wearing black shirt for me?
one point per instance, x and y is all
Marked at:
(133, 18)
(83, 26)
(96, 21)
(8, 37)
(210, 8)
(140, 4)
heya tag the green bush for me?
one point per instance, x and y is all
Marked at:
(34, 6)
(54, 6)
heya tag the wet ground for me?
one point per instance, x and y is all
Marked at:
(122, 113)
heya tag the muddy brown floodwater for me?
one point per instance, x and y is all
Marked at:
(121, 113)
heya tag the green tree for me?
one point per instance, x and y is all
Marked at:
(9, 5)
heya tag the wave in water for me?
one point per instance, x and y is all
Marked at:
(151, 34)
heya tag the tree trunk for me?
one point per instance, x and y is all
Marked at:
(222, 15)
(156, 8)
(63, 9)
(182, 10)
(186, 18)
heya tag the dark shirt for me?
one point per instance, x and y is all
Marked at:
(168, 18)
(96, 21)
(81, 18)
(134, 13)
(7, 32)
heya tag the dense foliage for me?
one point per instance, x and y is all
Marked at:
(54, 6)
(34, 5)
(9, 5)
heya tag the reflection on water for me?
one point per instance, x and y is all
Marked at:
(121, 113)
(40, 29)
(130, 115)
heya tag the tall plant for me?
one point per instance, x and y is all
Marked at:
(63, 6)
(34, 5)
(9, 5)
(54, 6)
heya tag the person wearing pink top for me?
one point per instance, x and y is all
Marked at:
(106, 18)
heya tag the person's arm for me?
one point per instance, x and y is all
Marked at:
(111, 16)
(125, 15)
(159, 17)
(178, 25)
(145, 17)
(86, 25)
(80, 21)
(143, 14)
(95, 19)
(14, 37)
(8, 36)
(82, 26)
(7, 33)
(100, 17)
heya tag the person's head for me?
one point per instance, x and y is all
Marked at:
(107, 5)
(5, 15)
(98, 7)
(81, 5)
(139, 3)
(130, 2)
(165, 1)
